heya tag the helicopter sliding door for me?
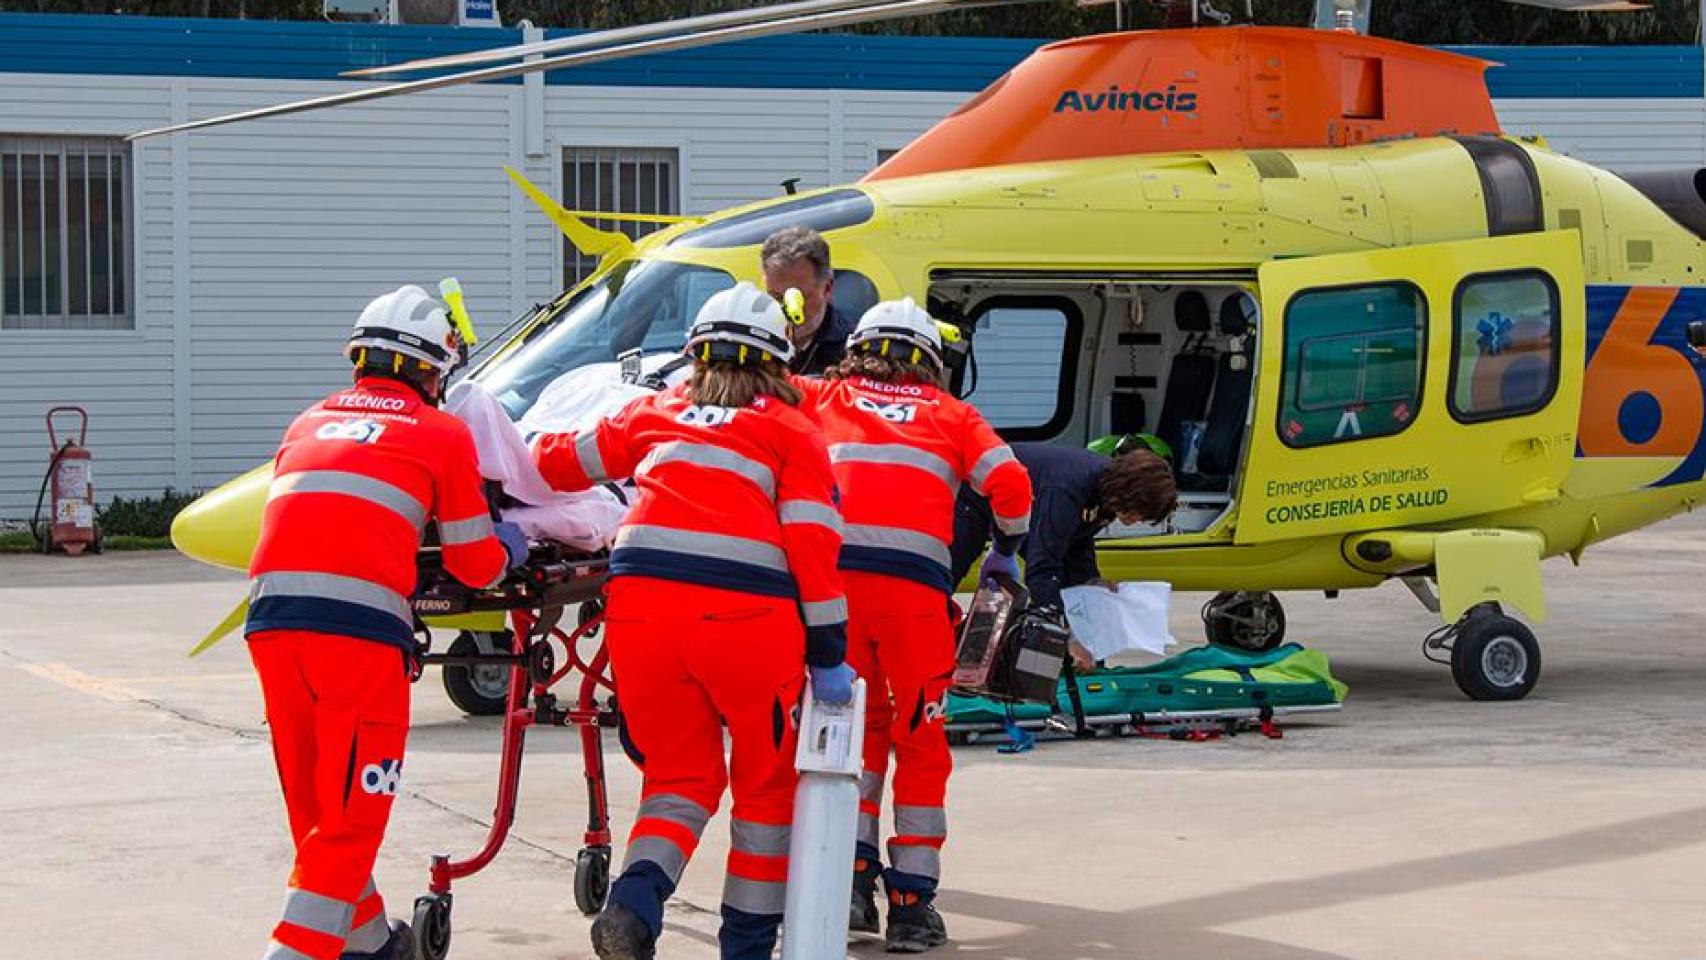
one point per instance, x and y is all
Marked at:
(1413, 385)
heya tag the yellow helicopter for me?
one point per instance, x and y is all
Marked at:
(1380, 338)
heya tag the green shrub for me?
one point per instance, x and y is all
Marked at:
(144, 516)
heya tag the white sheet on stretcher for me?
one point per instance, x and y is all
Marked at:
(577, 400)
(586, 520)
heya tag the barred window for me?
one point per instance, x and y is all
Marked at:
(617, 180)
(65, 242)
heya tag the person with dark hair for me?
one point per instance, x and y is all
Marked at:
(1077, 493)
(723, 599)
(355, 483)
(798, 258)
(901, 446)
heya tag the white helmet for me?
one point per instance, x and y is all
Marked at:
(903, 321)
(742, 319)
(407, 321)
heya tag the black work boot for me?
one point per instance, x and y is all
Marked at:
(914, 924)
(620, 934)
(862, 916)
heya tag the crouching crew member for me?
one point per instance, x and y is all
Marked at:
(1077, 494)
(901, 447)
(731, 543)
(330, 629)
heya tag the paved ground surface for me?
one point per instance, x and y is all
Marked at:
(141, 818)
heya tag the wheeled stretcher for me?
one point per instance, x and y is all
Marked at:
(536, 599)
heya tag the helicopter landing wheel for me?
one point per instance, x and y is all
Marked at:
(479, 691)
(1494, 657)
(1244, 620)
(432, 927)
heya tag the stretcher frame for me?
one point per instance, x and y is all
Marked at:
(535, 598)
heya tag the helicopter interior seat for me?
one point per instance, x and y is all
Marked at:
(1223, 437)
(1190, 375)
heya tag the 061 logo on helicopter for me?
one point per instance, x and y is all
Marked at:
(1643, 393)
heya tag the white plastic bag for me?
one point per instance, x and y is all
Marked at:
(1107, 623)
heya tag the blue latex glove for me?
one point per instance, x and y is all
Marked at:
(998, 564)
(514, 541)
(833, 684)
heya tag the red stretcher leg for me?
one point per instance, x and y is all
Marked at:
(517, 718)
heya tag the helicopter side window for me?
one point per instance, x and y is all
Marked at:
(1025, 373)
(1353, 363)
(1505, 345)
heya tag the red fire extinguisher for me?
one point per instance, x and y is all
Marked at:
(71, 527)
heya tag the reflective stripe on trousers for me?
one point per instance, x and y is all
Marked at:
(757, 881)
(870, 807)
(372, 928)
(278, 951)
(916, 845)
(666, 832)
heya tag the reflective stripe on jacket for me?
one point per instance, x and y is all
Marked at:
(356, 480)
(900, 453)
(740, 499)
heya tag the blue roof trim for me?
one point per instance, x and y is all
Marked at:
(1592, 72)
(162, 46)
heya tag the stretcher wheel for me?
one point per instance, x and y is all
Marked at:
(1494, 657)
(432, 927)
(588, 612)
(541, 661)
(481, 691)
(592, 879)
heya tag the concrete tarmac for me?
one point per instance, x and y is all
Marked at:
(141, 816)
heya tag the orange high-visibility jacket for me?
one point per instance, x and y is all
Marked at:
(356, 480)
(900, 453)
(738, 498)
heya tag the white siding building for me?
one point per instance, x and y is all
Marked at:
(209, 298)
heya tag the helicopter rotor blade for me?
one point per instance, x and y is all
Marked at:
(620, 35)
(1585, 6)
(888, 10)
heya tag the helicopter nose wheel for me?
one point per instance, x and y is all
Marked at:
(1242, 620)
(1493, 657)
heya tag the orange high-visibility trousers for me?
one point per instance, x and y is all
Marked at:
(689, 661)
(900, 641)
(338, 708)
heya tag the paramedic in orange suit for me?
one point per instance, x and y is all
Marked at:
(723, 597)
(901, 446)
(331, 631)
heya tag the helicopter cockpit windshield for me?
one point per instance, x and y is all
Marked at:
(638, 303)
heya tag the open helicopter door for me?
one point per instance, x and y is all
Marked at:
(1415, 385)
